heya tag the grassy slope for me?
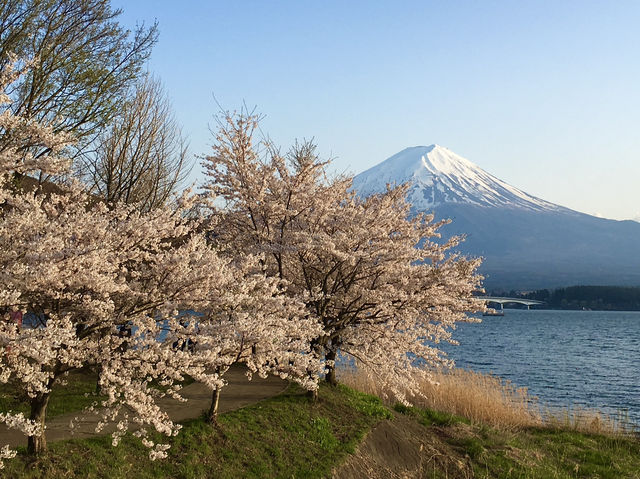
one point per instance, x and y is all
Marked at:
(286, 436)
(532, 453)
(289, 436)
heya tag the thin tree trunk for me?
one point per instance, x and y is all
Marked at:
(330, 376)
(38, 444)
(212, 415)
(99, 371)
(313, 394)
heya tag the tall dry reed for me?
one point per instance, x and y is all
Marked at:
(488, 399)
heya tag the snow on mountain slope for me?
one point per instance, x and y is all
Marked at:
(525, 242)
(437, 175)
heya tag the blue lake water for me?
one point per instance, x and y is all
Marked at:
(576, 358)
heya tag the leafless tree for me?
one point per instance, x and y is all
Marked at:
(141, 157)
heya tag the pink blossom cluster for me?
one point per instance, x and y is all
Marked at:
(23, 139)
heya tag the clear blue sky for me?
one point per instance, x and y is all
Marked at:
(544, 95)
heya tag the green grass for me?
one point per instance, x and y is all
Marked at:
(561, 454)
(285, 436)
(429, 417)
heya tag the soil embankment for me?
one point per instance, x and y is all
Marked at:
(402, 448)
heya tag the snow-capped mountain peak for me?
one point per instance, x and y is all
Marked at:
(437, 175)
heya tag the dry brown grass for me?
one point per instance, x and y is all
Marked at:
(588, 420)
(481, 398)
(488, 399)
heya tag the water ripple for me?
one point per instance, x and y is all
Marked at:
(587, 358)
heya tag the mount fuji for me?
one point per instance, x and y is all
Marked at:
(526, 242)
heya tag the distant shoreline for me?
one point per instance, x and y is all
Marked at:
(581, 298)
(577, 310)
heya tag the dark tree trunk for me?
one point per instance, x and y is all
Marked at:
(212, 415)
(38, 444)
(330, 376)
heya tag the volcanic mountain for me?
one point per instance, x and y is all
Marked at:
(526, 242)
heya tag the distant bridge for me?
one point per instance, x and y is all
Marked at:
(502, 301)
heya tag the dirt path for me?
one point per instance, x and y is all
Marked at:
(238, 393)
(403, 449)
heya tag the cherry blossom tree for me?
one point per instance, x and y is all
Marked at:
(109, 286)
(89, 273)
(95, 272)
(385, 291)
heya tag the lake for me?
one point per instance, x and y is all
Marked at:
(565, 358)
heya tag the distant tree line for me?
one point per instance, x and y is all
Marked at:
(607, 298)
